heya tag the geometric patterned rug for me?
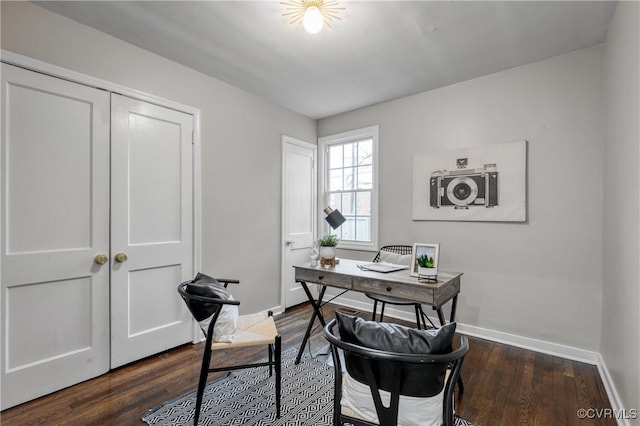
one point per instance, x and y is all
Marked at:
(246, 398)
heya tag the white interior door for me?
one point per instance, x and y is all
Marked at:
(152, 225)
(298, 212)
(55, 220)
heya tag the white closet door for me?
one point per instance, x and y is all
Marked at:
(152, 225)
(55, 220)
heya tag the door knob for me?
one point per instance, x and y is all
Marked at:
(101, 259)
(289, 243)
(120, 257)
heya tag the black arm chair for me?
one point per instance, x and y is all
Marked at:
(390, 371)
(259, 332)
(421, 317)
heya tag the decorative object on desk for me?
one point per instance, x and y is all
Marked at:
(425, 261)
(334, 217)
(314, 253)
(480, 183)
(329, 242)
(425, 266)
(328, 245)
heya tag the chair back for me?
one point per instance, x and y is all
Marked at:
(397, 249)
(397, 373)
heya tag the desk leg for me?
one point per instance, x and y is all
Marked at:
(316, 313)
(452, 316)
(454, 305)
(440, 316)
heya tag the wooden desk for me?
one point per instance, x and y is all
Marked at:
(347, 276)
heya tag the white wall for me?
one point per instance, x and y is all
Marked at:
(241, 137)
(620, 346)
(539, 280)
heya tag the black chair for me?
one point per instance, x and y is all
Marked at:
(421, 317)
(394, 372)
(205, 301)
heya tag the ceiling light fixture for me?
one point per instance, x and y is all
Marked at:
(313, 13)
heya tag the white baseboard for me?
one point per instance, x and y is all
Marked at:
(550, 348)
(612, 392)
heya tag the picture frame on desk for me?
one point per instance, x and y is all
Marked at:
(424, 260)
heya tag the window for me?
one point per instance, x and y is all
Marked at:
(349, 183)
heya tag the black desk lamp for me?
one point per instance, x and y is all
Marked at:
(334, 217)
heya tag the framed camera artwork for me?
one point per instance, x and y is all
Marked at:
(484, 183)
(424, 260)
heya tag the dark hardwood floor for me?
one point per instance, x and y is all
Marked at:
(504, 385)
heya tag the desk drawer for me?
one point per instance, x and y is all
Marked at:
(320, 276)
(403, 291)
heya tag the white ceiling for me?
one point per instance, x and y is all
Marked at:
(378, 51)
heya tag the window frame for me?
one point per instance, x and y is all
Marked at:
(324, 143)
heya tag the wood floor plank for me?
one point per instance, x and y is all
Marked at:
(503, 385)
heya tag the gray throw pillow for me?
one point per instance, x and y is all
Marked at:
(419, 380)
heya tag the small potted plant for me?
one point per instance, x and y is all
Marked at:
(328, 245)
(426, 266)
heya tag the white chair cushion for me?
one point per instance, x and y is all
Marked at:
(226, 325)
(225, 328)
(357, 402)
(395, 258)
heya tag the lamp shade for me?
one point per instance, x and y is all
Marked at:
(334, 217)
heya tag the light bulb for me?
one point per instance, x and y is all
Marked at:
(313, 20)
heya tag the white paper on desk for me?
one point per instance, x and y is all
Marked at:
(381, 266)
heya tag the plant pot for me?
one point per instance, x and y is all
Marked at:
(327, 253)
(425, 272)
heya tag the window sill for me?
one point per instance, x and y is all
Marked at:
(356, 246)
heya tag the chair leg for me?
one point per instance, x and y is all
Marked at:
(278, 359)
(375, 310)
(204, 372)
(382, 311)
(270, 349)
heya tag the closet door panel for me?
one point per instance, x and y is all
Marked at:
(55, 220)
(154, 216)
(152, 224)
